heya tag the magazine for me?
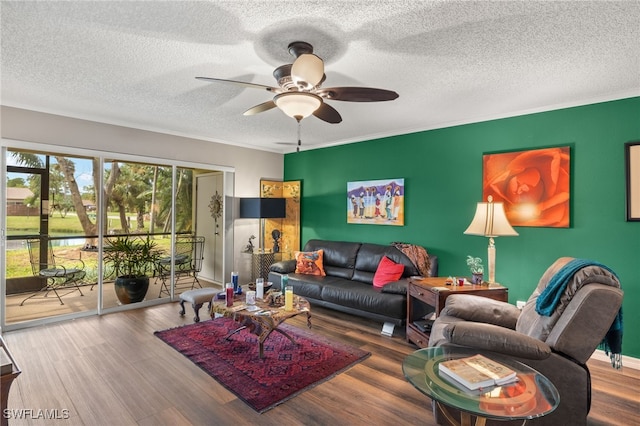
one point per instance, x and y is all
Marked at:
(424, 325)
(477, 372)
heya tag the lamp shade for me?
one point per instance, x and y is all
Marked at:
(307, 71)
(262, 208)
(298, 105)
(490, 220)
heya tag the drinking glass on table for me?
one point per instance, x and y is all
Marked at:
(288, 298)
(259, 288)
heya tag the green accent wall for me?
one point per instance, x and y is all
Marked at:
(443, 176)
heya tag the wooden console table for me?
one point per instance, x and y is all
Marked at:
(428, 295)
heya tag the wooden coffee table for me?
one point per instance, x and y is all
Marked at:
(261, 319)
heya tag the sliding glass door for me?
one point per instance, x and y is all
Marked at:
(66, 214)
(50, 218)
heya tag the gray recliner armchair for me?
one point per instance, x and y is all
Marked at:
(558, 345)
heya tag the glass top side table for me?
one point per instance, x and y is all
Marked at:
(531, 396)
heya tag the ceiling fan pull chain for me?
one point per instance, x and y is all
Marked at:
(299, 142)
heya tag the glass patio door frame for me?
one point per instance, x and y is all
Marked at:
(9, 144)
(43, 213)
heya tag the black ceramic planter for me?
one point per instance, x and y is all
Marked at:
(131, 289)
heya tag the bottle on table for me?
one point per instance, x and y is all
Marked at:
(234, 280)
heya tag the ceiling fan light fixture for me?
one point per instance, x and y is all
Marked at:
(298, 105)
(299, 95)
(307, 71)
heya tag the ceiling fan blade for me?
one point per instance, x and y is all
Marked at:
(357, 94)
(307, 71)
(241, 83)
(328, 113)
(265, 106)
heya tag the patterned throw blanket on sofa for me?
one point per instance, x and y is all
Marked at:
(550, 297)
(418, 255)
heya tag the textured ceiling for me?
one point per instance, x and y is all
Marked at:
(134, 63)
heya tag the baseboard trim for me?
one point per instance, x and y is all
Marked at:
(627, 361)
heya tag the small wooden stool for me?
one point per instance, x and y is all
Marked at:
(197, 298)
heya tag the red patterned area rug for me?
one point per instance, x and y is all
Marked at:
(284, 372)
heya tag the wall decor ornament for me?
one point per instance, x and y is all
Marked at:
(376, 202)
(632, 160)
(533, 185)
(215, 206)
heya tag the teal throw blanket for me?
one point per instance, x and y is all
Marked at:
(550, 297)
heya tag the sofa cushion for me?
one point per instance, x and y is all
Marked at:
(310, 286)
(284, 266)
(388, 271)
(339, 257)
(396, 287)
(357, 295)
(369, 257)
(309, 262)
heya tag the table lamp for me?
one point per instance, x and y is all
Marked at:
(490, 221)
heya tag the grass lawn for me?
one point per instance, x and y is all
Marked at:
(58, 226)
(18, 264)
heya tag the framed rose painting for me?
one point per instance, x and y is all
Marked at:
(533, 185)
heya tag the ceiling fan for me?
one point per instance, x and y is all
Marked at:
(299, 94)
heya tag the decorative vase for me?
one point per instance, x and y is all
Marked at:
(131, 289)
(477, 278)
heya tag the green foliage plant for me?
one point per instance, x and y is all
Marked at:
(131, 256)
(475, 265)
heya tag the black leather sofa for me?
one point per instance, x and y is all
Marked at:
(348, 284)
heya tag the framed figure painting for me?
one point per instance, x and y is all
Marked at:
(534, 185)
(376, 202)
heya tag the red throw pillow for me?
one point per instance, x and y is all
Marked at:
(309, 262)
(388, 271)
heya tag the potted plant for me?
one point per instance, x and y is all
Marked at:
(476, 268)
(131, 260)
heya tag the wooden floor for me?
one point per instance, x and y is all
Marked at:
(112, 370)
(46, 305)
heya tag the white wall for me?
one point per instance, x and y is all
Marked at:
(250, 165)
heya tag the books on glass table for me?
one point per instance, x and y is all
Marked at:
(477, 372)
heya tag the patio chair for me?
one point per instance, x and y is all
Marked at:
(189, 253)
(58, 273)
